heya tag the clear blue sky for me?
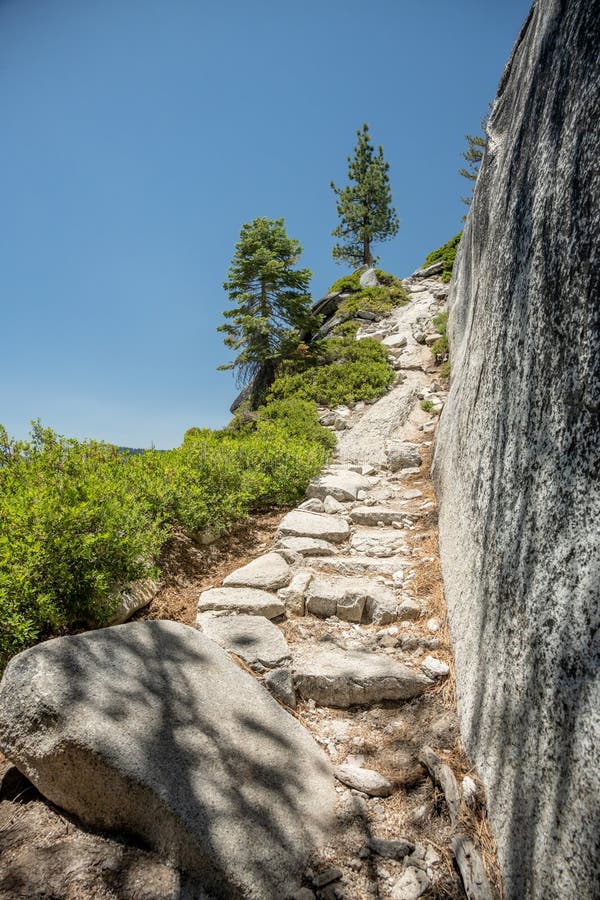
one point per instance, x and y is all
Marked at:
(138, 136)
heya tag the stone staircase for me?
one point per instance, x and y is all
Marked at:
(341, 619)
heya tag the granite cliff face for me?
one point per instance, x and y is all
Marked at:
(517, 460)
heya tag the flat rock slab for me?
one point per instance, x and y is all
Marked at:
(299, 523)
(341, 485)
(366, 780)
(307, 546)
(253, 638)
(351, 599)
(378, 542)
(357, 565)
(375, 515)
(241, 600)
(341, 678)
(268, 572)
(151, 728)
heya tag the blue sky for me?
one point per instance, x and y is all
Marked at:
(138, 136)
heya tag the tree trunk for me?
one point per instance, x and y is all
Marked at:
(367, 251)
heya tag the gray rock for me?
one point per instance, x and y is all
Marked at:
(395, 341)
(150, 728)
(341, 485)
(377, 542)
(333, 506)
(312, 505)
(241, 600)
(435, 268)
(281, 685)
(293, 595)
(351, 599)
(413, 494)
(435, 668)
(253, 638)
(298, 523)
(134, 597)
(411, 885)
(268, 572)
(357, 565)
(409, 610)
(398, 849)
(403, 456)
(381, 606)
(365, 780)
(341, 678)
(307, 546)
(368, 279)
(517, 461)
(376, 515)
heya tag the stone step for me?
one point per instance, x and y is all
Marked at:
(299, 523)
(307, 546)
(252, 601)
(268, 572)
(379, 542)
(375, 515)
(253, 638)
(341, 485)
(357, 565)
(351, 599)
(341, 678)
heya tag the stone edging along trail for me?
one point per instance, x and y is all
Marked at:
(358, 648)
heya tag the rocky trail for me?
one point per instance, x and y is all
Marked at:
(342, 619)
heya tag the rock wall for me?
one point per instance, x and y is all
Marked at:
(517, 461)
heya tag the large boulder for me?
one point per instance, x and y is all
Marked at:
(517, 458)
(150, 728)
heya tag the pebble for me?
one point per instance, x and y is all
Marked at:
(435, 668)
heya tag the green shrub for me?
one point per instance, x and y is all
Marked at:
(427, 405)
(346, 283)
(441, 348)
(346, 371)
(73, 530)
(447, 253)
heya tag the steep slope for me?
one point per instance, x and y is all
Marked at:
(517, 460)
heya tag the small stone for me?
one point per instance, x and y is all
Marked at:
(365, 780)
(333, 506)
(313, 505)
(433, 625)
(326, 877)
(361, 495)
(293, 595)
(411, 885)
(470, 791)
(434, 668)
(412, 494)
(281, 685)
(408, 610)
(397, 849)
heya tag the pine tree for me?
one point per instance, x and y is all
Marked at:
(272, 302)
(476, 144)
(365, 205)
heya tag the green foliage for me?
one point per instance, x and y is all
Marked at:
(364, 206)
(272, 304)
(473, 155)
(346, 370)
(80, 520)
(447, 253)
(73, 529)
(441, 349)
(427, 405)
(378, 300)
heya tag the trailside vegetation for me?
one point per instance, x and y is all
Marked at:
(79, 520)
(473, 155)
(364, 206)
(271, 302)
(446, 253)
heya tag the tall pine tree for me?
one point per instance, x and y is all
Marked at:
(272, 302)
(364, 206)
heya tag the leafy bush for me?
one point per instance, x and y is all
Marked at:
(80, 520)
(441, 348)
(427, 405)
(73, 529)
(447, 253)
(379, 300)
(347, 370)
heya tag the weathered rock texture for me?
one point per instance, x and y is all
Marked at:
(517, 460)
(150, 728)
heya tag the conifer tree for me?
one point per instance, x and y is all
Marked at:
(476, 144)
(364, 205)
(272, 302)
